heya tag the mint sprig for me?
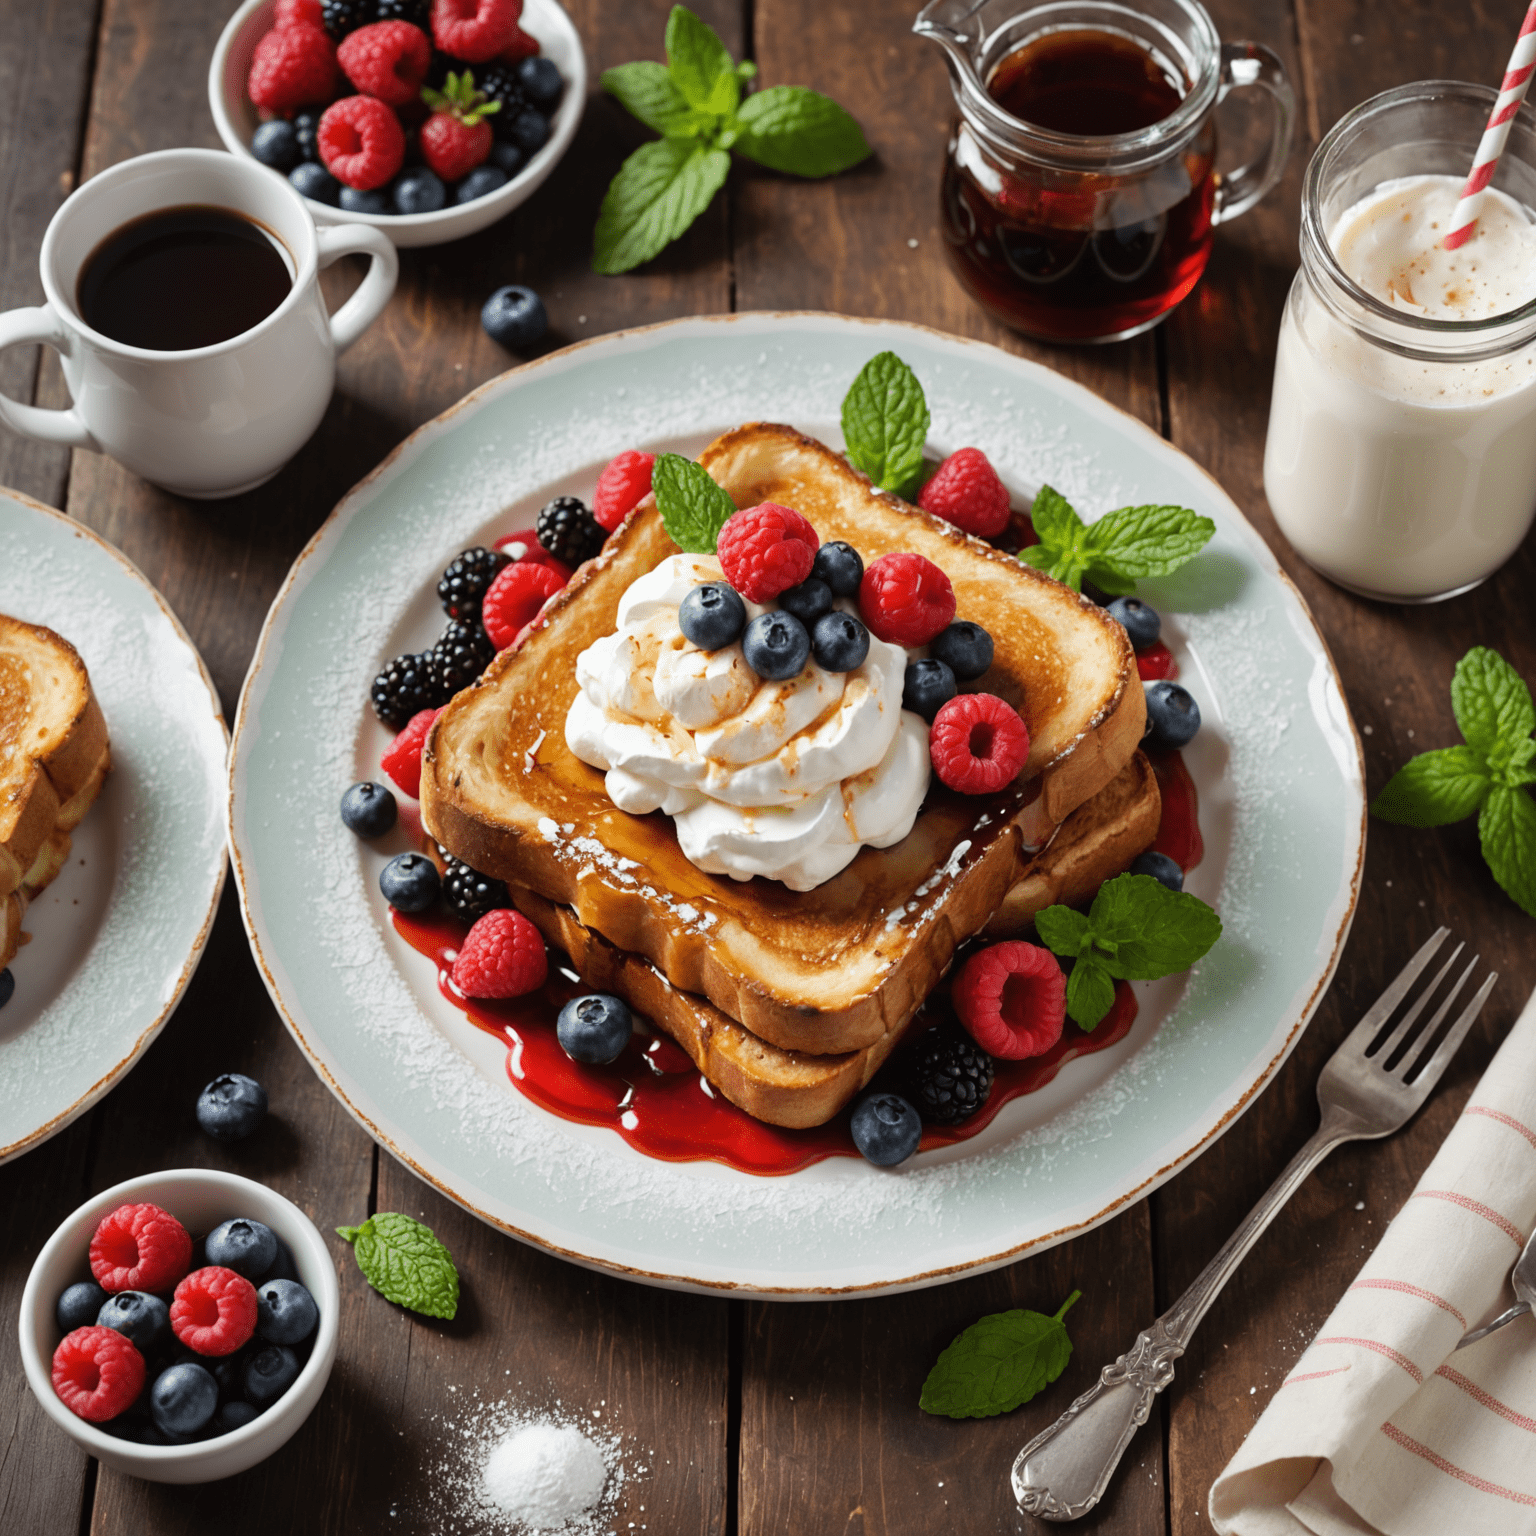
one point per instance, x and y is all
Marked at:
(1119, 549)
(885, 423)
(694, 101)
(693, 508)
(404, 1262)
(1488, 775)
(998, 1364)
(1136, 930)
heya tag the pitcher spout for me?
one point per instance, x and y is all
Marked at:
(955, 26)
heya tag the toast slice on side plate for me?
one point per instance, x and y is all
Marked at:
(837, 968)
(796, 1088)
(54, 753)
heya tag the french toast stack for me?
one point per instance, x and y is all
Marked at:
(54, 756)
(788, 1002)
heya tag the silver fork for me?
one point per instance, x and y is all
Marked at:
(1063, 1472)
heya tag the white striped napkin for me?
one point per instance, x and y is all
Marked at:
(1380, 1427)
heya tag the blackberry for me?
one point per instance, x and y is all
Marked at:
(306, 128)
(951, 1076)
(344, 16)
(568, 531)
(464, 652)
(499, 83)
(462, 586)
(406, 686)
(417, 12)
(469, 894)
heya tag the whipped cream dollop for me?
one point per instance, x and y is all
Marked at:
(787, 780)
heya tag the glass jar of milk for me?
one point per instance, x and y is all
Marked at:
(1401, 455)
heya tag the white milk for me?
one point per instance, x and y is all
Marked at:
(1399, 476)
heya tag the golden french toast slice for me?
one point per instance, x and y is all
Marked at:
(54, 753)
(836, 968)
(795, 1088)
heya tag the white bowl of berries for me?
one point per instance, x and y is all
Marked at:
(329, 94)
(181, 1326)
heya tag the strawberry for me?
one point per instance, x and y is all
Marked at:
(476, 30)
(456, 138)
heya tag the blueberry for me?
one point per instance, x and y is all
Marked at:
(594, 1029)
(712, 615)
(886, 1129)
(1140, 620)
(1160, 867)
(840, 566)
(839, 642)
(229, 1370)
(283, 1267)
(514, 316)
(78, 1305)
(182, 1400)
(419, 191)
(374, 201)
(776, 645)
(234, 1415)
(410, 882)
(507, 157)
(311, 180)
(7, 986)
(480, 182)
(142, 1319)
(231, 1106)
(808, 601)
(965, 648)
(245, 1246)
(1173, 717)
(285, 1312)
(541, 82)
(277, 144)
(268, 1374)
(528, 130)
(368, 809)
(927, 688)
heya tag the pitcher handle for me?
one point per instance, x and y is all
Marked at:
(1244, 64)
(18, 327)
(363, 308)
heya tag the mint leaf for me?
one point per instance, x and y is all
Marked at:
(646, 90)
(885, 423)
(700, 64)
(1063, 930)
(998, 1364)
(1143, 930)
(659, 191)
(693, 508)
(1066, 548)
(1090, 991)
(1493, 707)
(1507, 831)
(788, 128)
(1147, 541)
(1055, 522)
(1434, 788)
(405, 1263)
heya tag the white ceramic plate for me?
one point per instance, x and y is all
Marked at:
(1278, 765)
(116, 938)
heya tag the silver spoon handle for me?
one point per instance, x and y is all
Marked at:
(1518, 1310)
(1063, 1472)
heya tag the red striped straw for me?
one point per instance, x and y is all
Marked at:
(1517, 80)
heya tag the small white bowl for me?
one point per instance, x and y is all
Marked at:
(236, 120)
(200, 1199)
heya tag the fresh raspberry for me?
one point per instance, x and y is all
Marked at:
(621, 486)
(906, 599)
(1013, 999)
(766, 550)
(476, 30)
(521, 47)
(97, 1373)
(978, 743)
(139, 1248)
(293, 67)
(214, 1310)
(456, 138)
(361, 142)
(387, 59)
(524, 546)
(515, 598)
(502, 956)
(298, 13)
(965, 491)
(402, 757)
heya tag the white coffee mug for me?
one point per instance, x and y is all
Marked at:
(212, 421)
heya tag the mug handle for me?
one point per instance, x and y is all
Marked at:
(19, 328)
(363, 308)
(1244, 64)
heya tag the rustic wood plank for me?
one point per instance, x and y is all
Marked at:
(1396, 664)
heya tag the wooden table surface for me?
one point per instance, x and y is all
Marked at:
(756, 1418)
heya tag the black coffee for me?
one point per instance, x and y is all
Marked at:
(182, 278)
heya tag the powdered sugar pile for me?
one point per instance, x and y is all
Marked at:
(544, 1475)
